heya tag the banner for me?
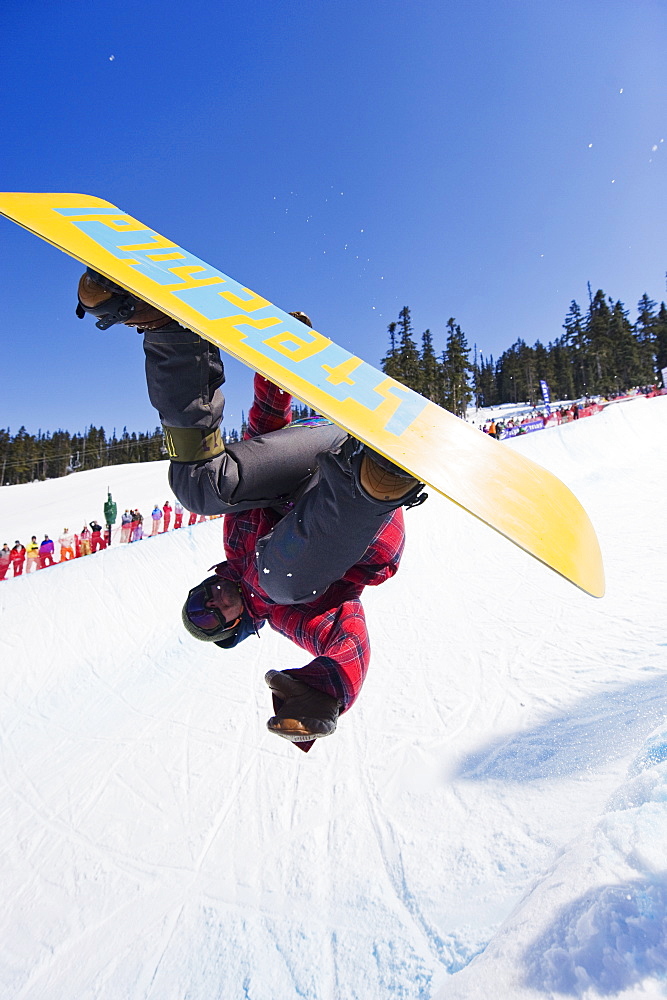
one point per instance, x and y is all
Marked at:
(546, 396)
(527, 428)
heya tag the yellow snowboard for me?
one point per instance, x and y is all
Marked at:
(524, 502)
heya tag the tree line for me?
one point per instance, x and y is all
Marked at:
(26, 457)
(600, 352)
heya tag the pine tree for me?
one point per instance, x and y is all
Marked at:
(510, 374)
(429, 371)
(407, 351)
(390, 362)
(661, 341)
(625, 350)
(645, 332)
(575, 344)
(598, 335)
(563, 385)
(456, 370)
(544, 370)
(488, 395)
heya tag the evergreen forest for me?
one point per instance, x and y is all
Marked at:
(600, 352)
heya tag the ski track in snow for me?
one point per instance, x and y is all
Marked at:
(489, 819)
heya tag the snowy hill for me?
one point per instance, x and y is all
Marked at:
(489, 820)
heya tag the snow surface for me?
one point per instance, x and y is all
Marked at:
(489, 820)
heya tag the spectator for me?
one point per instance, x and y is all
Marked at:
(46, 550)
(178, 515)
(84, 541)
(125, 526)
(32, 555)
(96, 540)
(5, 559)
(166, 510)
(156, 515)
(66, 543)
(17, 556)
(192, 520)
(137, 526)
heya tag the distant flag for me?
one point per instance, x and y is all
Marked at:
(545, 395)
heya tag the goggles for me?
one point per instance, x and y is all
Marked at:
(209, 620)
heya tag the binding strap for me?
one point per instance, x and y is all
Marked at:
(117, 307)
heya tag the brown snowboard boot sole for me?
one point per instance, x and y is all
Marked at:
(382, 484)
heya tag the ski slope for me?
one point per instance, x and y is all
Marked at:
(490, 819)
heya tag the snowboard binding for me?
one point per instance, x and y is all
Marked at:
(112, 304)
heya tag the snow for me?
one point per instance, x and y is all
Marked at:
(488, 821)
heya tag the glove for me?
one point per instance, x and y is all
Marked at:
(113, 304)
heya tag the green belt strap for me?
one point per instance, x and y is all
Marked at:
(192, 444)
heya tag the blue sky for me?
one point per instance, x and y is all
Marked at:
(480, 160)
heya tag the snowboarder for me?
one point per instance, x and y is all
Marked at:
(312, 518)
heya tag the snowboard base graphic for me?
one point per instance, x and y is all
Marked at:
(513, 495)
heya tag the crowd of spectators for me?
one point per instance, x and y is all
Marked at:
(538, 418)
(90, 539)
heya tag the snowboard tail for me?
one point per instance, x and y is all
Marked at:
(515, 496)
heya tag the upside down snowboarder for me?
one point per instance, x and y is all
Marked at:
(312, 516)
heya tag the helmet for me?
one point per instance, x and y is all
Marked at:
(208, 623)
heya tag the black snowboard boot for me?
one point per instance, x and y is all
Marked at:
(302, 712)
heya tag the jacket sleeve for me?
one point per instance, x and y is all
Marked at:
(271, 408)
(338, 640)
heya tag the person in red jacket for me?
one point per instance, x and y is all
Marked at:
(166, 514)
(96, 539)
(17, 557)
(312, 517)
